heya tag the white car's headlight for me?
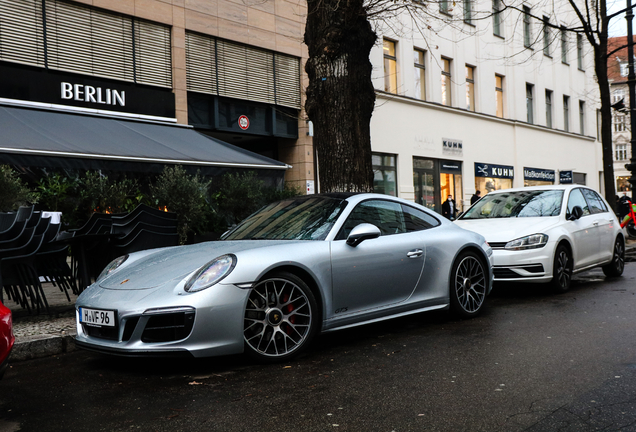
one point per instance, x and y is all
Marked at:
(211, 273)
(114, 265)
(534, 241)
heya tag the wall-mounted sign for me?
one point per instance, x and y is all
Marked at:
(450, 167)
(452, 147)
(34, 84)
(538, 174)
(565, 177)
(494, 171)
(243, 122)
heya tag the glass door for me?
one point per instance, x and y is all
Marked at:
(426, 190)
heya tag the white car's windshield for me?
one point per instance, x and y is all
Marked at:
(526, 203)
(293, 219)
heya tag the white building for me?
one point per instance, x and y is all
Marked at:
(484, 103)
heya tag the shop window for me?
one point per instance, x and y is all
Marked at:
(489, 184)
(622, 184)
(384, 174)
(446, 82)
(390, 67)
(419, 57)
(470, 88)
(499, 96)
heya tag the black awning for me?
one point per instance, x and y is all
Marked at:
(56, 139)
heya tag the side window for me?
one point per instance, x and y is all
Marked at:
(595, 202)
(386, 215)
(417, 220)
(576, 199)
(602, 202)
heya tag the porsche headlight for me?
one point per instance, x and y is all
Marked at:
(211, 273)
(114, 265)
(534, 241)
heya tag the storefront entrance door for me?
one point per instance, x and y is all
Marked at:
(424, 181)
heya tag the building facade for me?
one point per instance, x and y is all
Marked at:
(479, 102)
(231, 70)
(617, 71)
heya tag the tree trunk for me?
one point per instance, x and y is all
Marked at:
(600, 66)
(340, 96)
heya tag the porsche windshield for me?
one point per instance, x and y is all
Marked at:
(292, 219)
(526, 203)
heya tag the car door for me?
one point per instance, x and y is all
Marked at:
(583, 231)
(380, 271)
(603, 221)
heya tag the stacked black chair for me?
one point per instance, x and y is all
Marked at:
(143, 228)
(7, 220)
(106, 236)
(52, 264)
(19, 275)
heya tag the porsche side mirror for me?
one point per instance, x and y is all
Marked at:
(361, 233)
(577, 212)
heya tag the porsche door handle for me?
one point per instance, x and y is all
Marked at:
(415, 253)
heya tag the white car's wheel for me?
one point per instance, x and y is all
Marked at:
(562, 269)
(281, 318)
(616, 267)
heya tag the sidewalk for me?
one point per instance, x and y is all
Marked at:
(53, 333)
(44, 334)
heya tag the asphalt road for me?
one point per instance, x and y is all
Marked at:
(531, 362)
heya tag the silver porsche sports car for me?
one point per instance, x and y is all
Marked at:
(297, 267)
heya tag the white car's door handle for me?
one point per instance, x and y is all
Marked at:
(596, 223)
(415, 253)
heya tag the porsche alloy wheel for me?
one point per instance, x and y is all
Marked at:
(469, 285)
(562, 270)
(280, 318)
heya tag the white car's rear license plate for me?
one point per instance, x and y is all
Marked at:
(98, 317)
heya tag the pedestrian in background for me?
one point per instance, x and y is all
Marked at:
(449, 209)
(475, 197)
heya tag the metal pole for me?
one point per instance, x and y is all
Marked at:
(631, 82)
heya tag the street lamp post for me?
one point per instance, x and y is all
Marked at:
(631, 83)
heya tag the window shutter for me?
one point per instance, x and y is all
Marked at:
(287, 81)
(232, 70)
(200, 64)
(153, 57)
(92, 42)
(21, 32)
(243, 72)
(260, 75)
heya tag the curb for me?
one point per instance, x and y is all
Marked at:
(32, 347)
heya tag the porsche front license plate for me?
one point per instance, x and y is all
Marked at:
(97, 317)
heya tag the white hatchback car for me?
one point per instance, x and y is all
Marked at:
(548, 233)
